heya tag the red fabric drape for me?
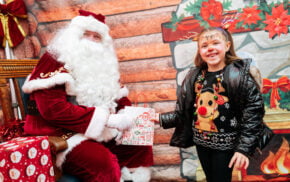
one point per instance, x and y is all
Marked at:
(10, 28)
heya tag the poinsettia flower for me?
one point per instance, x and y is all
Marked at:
(250, 15)
(212, 11)
(278, 22)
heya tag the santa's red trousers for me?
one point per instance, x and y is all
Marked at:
(91, 161)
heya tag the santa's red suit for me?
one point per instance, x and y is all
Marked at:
(93, 154)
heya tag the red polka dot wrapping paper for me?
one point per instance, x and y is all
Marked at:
(26, 159)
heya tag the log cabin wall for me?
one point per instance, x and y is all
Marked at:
(145, 61)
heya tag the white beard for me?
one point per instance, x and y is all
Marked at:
(94, 66)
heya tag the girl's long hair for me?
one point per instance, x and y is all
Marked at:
(230, 54)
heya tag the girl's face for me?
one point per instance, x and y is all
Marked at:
(212, 49)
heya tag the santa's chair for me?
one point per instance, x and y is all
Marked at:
(13, 105)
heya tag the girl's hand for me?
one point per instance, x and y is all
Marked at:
(239, 160)
(156, 118)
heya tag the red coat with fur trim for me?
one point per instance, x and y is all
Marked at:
(56, 114)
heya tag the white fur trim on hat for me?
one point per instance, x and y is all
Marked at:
(97, 123)
(30, 86)
(91, 24)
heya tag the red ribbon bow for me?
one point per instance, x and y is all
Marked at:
(10, 28)
(11, 130)
(282, 83)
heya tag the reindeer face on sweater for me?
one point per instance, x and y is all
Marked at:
(207, 107)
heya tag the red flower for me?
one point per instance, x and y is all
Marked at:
(212, 11)
(278, 22)
(250, 15)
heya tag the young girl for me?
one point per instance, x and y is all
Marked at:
(219, 108)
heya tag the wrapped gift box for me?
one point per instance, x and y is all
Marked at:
(26, 159)
(142, 133)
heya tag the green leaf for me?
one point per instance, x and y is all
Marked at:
(284, 102)
(285, 2)
(253, 26)
(227, 4)
(262, 15)
(240, 24)
(174, 20)
(174, 17)
(170, 25)
(264, 7)
(271, 6)
(262, 26)
(204, 24)
(259, 23)
(192, 9)
(251, 4)
(198, 18)
(239, 10)
(199, 2)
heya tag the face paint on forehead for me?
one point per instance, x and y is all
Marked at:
(211, 35)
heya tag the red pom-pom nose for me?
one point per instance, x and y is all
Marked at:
(202, 110)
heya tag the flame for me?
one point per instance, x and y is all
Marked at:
(278, 163)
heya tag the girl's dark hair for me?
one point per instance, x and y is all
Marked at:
(230, 54)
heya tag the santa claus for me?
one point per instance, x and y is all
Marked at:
(75, 92)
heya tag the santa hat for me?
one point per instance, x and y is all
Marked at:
(90, 21)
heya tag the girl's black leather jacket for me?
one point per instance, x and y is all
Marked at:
(245, 98)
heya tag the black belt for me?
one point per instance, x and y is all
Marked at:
(32, 108)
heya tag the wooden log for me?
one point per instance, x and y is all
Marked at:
(29, 3)
(162, 136)
(169, 173)
(152, 91)
(46, 32)
(160, 106)
(139, 23)
(63, 10)
(154, 95)
(28, 48)
(165, 155)
(148, 75)
(147, 70)
(141, 47)
(127, 25)
(32, 24)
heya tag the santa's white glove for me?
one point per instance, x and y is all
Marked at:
(118, 137)
(121, 121)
